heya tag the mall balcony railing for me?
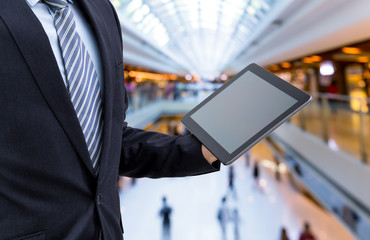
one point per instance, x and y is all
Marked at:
(341, 121)
(140, 98)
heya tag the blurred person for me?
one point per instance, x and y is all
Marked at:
(277, 168)
(349, 216)
(332, 88)
(223, 215)
(130, 87)
(235, 218)
(307, 234)
(297, 169)
(284, 234)
(153, 92)
(256, 175)
(144, 94)
(169, 89)
(165, 214)
(179, 87)
(231, 182)
(332, 91)
(247, 158)
(63, 147)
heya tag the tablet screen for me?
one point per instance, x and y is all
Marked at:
(255, 103)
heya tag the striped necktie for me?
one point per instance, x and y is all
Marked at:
(82, 80)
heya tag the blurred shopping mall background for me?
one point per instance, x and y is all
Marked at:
(313, 169)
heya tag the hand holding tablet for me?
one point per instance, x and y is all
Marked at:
(243, 111)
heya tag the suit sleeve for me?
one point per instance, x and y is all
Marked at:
(154, 155)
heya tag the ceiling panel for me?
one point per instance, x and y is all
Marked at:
(206, 34)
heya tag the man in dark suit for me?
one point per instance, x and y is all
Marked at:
(49, 186)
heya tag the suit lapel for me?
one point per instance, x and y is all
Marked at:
(32, 41)
(97, 22)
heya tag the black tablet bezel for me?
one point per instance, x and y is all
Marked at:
(223, 155)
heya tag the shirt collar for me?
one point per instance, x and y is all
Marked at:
(32, 3)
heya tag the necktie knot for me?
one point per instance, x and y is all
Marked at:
(56, 5)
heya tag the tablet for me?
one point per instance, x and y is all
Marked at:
(243, 111)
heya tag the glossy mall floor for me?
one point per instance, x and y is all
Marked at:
(195, 202)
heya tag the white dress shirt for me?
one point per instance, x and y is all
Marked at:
(46, 17)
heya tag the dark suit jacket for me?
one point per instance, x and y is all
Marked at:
(47, 186)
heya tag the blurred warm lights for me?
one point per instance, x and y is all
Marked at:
(188, 77)
(263, 183)
(152, 76)
(196, 78)
(316, 58)
(358, 101)
(367, 74)
(312, 59)
(286, 64)
(268, 164)
(223, 77)
(161, 84)
(287, 76)
(361, 84)
(272, 166)
(251, 10)
(283, 168)
(275, 67)
(351, 50)
(307, 60)
(363, 59)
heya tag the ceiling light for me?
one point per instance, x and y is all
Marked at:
(203, 35)
(327, 68)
